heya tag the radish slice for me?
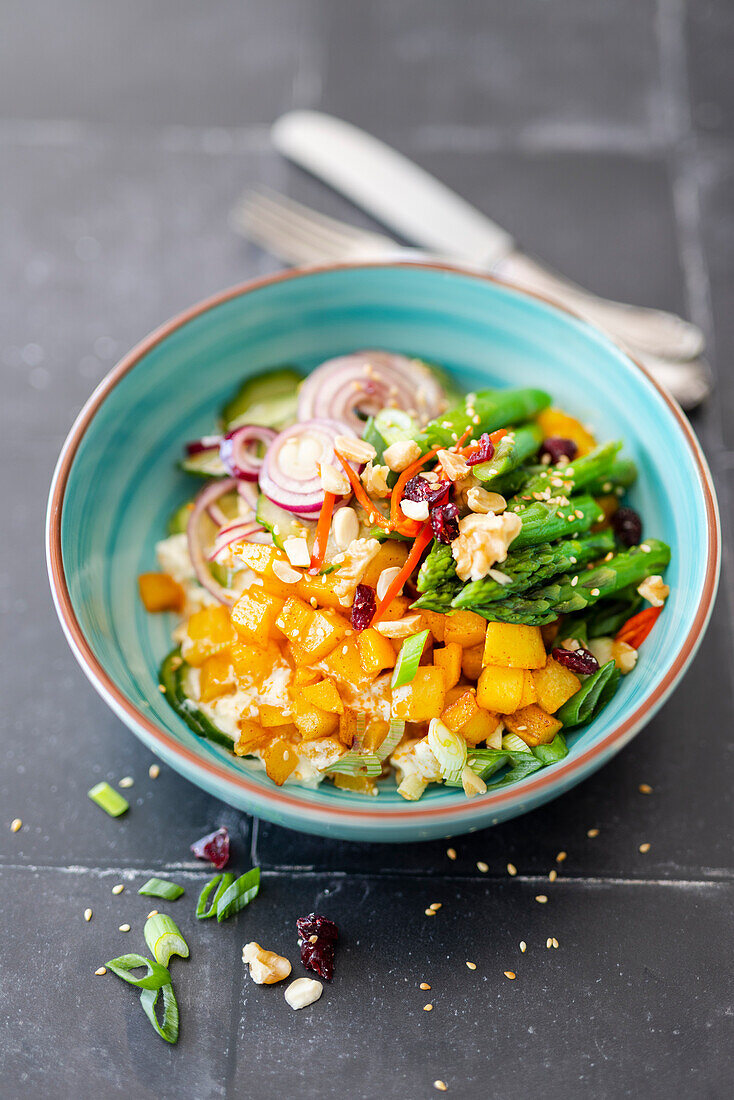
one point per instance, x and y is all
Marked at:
(352, 387)
(237, 452)
(290, 475)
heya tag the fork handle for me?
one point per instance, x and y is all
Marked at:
(653, 331)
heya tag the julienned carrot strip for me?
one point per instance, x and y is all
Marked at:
(322, 531)
(424, 537)
(373, 513)
(636, 629)
(398, 523)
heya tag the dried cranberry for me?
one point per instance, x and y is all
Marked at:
(627, 526)
(418, 489)
(578, 660)
(556, 447)
(214, 847)
(484, 453)
(445, 522)
(318, 936)
(363, 608)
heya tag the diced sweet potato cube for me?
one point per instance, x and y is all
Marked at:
(254, 615)
(252, 662)
(436, 623)
(554, 685)
(280, 760)
(471, 661)
(305, 676)
(344, 664)
(217, 677)
(423, 698)
(464, 627)
(348, 726)
(321, 589)
(294, 619)
(312, 722)
(500, 689)
(271, 716)
(375, 734)
(514, 646)
(159, 592)
(252, 736)
(480, 727)
(261, 560)
(208, 631)
(529, 694)
(557, 422)
(396, 609)
(323, 695)
(296, 655)
(325, 631)
(449, 659)
(454, 693)
(459, 712)
(375, 651)
(533, 725)
(360, 784)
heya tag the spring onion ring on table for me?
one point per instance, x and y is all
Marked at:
(378, 580)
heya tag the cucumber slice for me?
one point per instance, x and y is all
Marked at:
(281, 524)
(204, 464)
(178, 521)
(395, 426)
(171, 676)
(269, 399)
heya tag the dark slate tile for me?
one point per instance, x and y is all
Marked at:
(571, 71)
(633, 1002)
(710, 40)
(180, 64)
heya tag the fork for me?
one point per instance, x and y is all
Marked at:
(298, 235)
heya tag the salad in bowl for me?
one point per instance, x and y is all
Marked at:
(380, 576)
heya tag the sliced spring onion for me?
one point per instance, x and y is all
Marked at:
(164, 939)
(551, 754)
(395, 426)
(239, 894)
(449, 748)
(514, 743)
(355, 763)
(155, 977)
(592, 696)
(392, 740)
(169, 1029)
(409, 659)
(222, 883)
(160, 888)
(108, 799)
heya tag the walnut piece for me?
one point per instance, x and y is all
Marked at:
(654, 590)
(374, 479)
(483, 540)
(266, 968)
(357, 557)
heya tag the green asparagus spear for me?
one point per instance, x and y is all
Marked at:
(569, 478)
(438, 570)
(529, 567)
(437, 599)
(543, 521)
(515, 448)
(483, 412)
(620, 475)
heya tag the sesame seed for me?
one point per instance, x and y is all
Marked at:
(152, 913)
(441, 1086)
(644, 547)
(472, 966)
(435, 905)
(595, 592)
(428, 1008)
(645, 788)
(154, 771)
(482, 866)
(430, 912)
(592, 833)
(560, 857)
(118, 889)
(511, 869)
(87, 914)
(523, 946)
(424, 985)
(163, 692)
(15, 825)
(552, 875)
(451, 853)
(541, 898)
(554, 941)
(574, 582)
(101, 970)
(644, 848)
(549, 943)
(124, 928)
(510, 974)
(126, 781)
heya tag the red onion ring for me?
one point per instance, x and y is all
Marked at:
(248, 530)
(206, 443)
(290, 473)
(249, 493)
(366, 382)
(236, 450)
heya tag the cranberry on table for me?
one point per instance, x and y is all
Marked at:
(363, 608)
(445, 522)
(627, 526)
(318, 937)
(577, 660)
(558, 447)
(214, 847)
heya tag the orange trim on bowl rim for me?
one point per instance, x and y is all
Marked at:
(418, 812)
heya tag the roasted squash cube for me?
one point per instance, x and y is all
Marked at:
(529, 694)
(323, 695)
(472, 661)
(533, 725)
(252, 662)
(396, 609)
(483, 726)
(159, 592)
(325, 631)
(449, 659)
(500, 689)
(262, 559)
(305, 676)
(464, 627)
(436, 623)
(343, 663)
(461, 710)
(208, 631)
(514, 646)
(254, 615)
(554, 685)
(376, 732)
(295, 619)
(359, 784)
(557, 422)
(280, 759)
(271, 716)
(391, 555)
(216, 678)
(252, 737)
(312, 722)
(321, 589)
(423, 698)
(549, 632)
(375, 651)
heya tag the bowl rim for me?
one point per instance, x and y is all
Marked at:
(535, 788)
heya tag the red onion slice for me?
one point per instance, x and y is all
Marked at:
(236, 450)
(367, 381)
(206, 443)
(208, 495)
(249, 493)
(247, 530)
(290, 474)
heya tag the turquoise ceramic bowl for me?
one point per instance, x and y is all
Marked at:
(116, 483)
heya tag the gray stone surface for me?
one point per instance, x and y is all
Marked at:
(602, 136)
